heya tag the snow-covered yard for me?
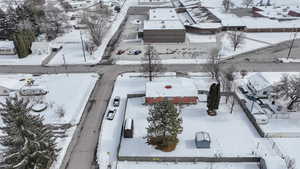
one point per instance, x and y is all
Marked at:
(131, 83)
(222, 128)
(61, 96)
(288, 146)
(227, 50)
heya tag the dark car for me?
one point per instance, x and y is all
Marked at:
(116, 101)
(111, 114)
(243, 90)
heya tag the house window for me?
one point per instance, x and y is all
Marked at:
(265, 92)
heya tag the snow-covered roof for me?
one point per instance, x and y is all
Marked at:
(11, 84)
(278, 12)
(128, 124)
(202, 136)
(207, 25)
(7, 45)
(162, 25)
(163, 14)
(190, 2)
(171, 88)
(236, 22)
(258, 81)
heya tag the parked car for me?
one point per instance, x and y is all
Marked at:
(243, 90)
(134, 52)
(117, 9)
(261, 118)
(116, 101)
(111, 114)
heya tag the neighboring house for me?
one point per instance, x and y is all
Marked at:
(7, 48)
(177, 91)
(259, 85)
(40, 48)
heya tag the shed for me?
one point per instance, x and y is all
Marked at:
(128, 128)
(177, 91)
(7, 48)
(202, 140)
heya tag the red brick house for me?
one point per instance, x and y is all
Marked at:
(177, 91)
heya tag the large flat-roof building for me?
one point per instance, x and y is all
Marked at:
(163, 26)
(164, 31)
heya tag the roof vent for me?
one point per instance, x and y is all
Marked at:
(168, 86)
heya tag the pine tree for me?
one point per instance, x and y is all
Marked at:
(164, 125)
(213, 99)
(29, 143)
(217, 97)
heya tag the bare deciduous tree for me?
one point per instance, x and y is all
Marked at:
(289, 87)
(227, 4)
(151, 63)
(54, 20)
(96, 24)
(237, 39)
(213, 65)
(247, 3)
(227, 80)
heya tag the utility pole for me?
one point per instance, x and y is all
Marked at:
(64, 60)
(82, 45)
(292, 44)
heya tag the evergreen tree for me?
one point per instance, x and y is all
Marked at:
(210, 97)
(218, 96)
(29, 143)
(213, 98)
(23, 41)
(164, 125)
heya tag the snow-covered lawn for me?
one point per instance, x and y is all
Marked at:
(226, 48)
(131, 83)
(72, 51)
(69, 92)
(198, 165)
(272, 37)
(289, 148)
(222, 128)
(29, 60)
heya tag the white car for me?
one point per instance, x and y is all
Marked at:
(111, 114)
(261, 118)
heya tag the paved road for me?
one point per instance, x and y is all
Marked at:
(83, 155)
(250, 66)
